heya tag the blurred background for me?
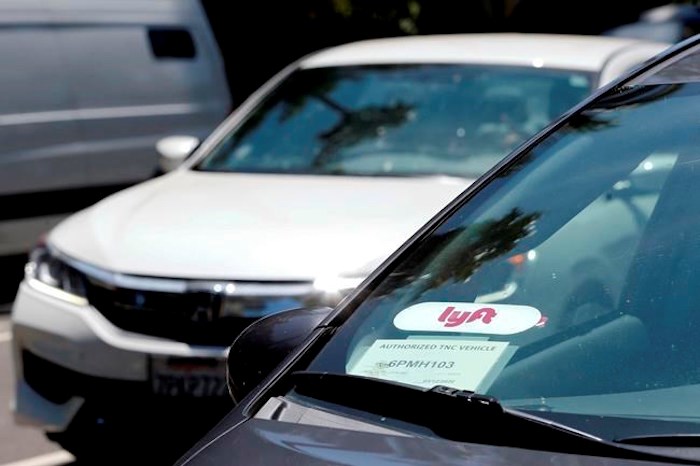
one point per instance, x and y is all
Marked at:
(80, 73)
(283, 31)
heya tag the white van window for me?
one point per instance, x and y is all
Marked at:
(171, 43)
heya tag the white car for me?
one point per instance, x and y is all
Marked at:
(130, 305)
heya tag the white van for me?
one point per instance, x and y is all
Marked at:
(87, 88)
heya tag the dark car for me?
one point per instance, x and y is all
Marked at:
(459, 350)
(668, 23)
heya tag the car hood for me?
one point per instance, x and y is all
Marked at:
(204, 225)
(265, 442)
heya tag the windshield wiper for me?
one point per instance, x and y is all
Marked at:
(459, 415)
(679, 440)
(680, 445)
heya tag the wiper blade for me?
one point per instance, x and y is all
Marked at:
(459, 415)
(680, 445)
(423, 406)
(663, 440)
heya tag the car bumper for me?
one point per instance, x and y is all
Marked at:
(66, 353)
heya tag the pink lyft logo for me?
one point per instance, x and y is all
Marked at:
(453, 318)
(462, 317)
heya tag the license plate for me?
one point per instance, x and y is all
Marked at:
(188, 377)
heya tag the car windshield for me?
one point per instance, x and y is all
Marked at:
(455, 120)
(568, 285)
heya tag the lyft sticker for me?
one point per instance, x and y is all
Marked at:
(488, 319)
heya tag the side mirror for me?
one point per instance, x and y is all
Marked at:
(174, 150)
(262, 346)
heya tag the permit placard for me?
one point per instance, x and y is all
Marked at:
(425, 363)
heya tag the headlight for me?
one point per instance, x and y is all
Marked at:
(46, 271)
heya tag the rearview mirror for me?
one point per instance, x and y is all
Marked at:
(262, 346)
(173, 150)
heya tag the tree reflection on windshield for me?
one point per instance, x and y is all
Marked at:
(483, 242)
(394, 120)
(358, 125)
(462, 252)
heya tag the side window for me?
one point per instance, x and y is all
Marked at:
(171, 43)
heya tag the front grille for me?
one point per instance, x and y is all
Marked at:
(194, 317)
(59, 384)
